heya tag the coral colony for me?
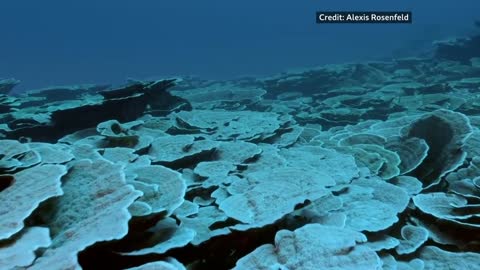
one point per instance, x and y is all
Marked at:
(371, 165)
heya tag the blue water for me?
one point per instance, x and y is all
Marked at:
(57, 42)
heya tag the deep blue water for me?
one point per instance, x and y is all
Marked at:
(67, 42)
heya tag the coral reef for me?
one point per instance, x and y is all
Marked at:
(369, 165)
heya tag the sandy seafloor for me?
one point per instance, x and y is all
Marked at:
(371, 165)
